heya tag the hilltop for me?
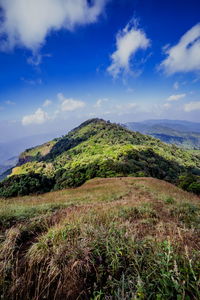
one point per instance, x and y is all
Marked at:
(96, 148)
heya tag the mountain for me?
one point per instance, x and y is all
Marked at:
(96, 149)
(181, 133)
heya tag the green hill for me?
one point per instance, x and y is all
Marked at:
(96, 149)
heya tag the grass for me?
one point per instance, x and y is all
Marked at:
(23, 208)
(119, 238)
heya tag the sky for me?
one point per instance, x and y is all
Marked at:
(65, 61)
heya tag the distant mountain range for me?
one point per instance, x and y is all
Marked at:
(181, 133)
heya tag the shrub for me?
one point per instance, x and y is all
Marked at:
(169, 200)
(194, 188)
(190, 183)
(20, 185)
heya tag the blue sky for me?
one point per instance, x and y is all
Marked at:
(65, 61)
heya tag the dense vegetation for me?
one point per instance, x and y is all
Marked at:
(25, 184)
(190, 183)
(119, 238)
(97, 149)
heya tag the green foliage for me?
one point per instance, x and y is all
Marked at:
(190, 183)
(20, 185)
(194, 188)
(169, 200)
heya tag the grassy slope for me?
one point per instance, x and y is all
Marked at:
(41, 150)
(125, 238)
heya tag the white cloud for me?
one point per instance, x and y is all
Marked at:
(185, 56)
(192, 106)
(100, 102)
(47, 103)
(176, 97)
(69, 104)
(126, 106)
(32, 81)
(28, 22)
(37, 58)
(132, 105)
(129, 90)
(8, 102)
(196, 79)
(176, 85)
(128, 42)
(167, 105)
(39, 117)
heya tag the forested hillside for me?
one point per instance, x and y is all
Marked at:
(96, 149)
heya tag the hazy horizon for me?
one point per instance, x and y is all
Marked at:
(48, 134)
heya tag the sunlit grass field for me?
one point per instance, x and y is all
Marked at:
(119, 238)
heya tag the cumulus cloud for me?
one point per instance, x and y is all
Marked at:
(176, 97)
(128, 42)
(191, 106)
(69, 104)
(28, 22)
(47, 103)
(100, 102)
(8, 102)
(39, 117)
(185, 56)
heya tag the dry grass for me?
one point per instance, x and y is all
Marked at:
(119, 238)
